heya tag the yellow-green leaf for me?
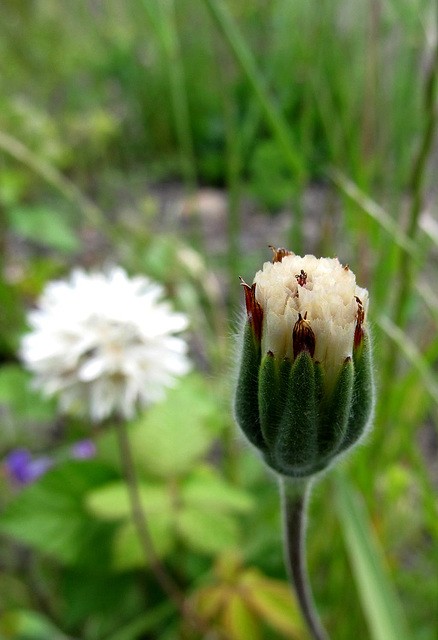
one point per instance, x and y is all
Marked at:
(112, 502)
(239, 622)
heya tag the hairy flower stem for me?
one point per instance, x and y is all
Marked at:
(139, 518)
(294, 500)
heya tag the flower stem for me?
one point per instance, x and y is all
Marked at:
(294, 501)
(139, 518)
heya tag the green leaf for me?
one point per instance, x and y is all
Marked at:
(127, 550)
(22, 624)
(144, 623)
(40, 224)
(273, 602)
(238, 620)
(207, 532)
(50, 517)
(102, 595)
(112, 502)
(173, 435)
(206, 490)
(381, 606)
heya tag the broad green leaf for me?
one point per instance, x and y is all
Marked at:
(238, 620)
(206, 490)
(112, 502)
(169, 438)
(207, 532)
(22, 624)
(128, 553)
(382, 609)
(209, 600)
(49, 515)
(102, 594)
(44, 225)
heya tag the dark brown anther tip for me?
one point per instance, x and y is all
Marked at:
(347, 359)
(279, 253)
(253, 309)
(360, 317)
(347, 267)
(303, 337)
(301, 278)
(270, 354)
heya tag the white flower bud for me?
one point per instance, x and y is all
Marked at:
(323, 295)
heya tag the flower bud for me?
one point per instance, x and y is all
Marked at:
(305, 390)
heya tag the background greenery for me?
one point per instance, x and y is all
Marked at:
(180, 139)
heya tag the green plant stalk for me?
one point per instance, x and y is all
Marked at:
(416, 188)
(140, 521)
(295, 495)
(139, 518)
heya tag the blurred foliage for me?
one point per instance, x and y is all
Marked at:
(113, 120)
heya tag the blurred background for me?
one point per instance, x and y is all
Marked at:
(179, 139)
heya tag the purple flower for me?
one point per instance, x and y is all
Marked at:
(23, 469)
(83, 450)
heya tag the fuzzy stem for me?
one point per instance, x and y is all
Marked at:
(294, 500)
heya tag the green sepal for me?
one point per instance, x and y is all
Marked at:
(246, 406)
(284, 376)
(335, 412)
(363, 394)
(319, 382)
(269, 398)
(296, 446)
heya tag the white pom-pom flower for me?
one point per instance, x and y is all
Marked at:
(322, 294)
(105, 343)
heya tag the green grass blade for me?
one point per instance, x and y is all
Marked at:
(144, 623)
(374, 211)
(245, 59)
(164, 21)
(381, 606)
(412, 355)
(50, 174)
